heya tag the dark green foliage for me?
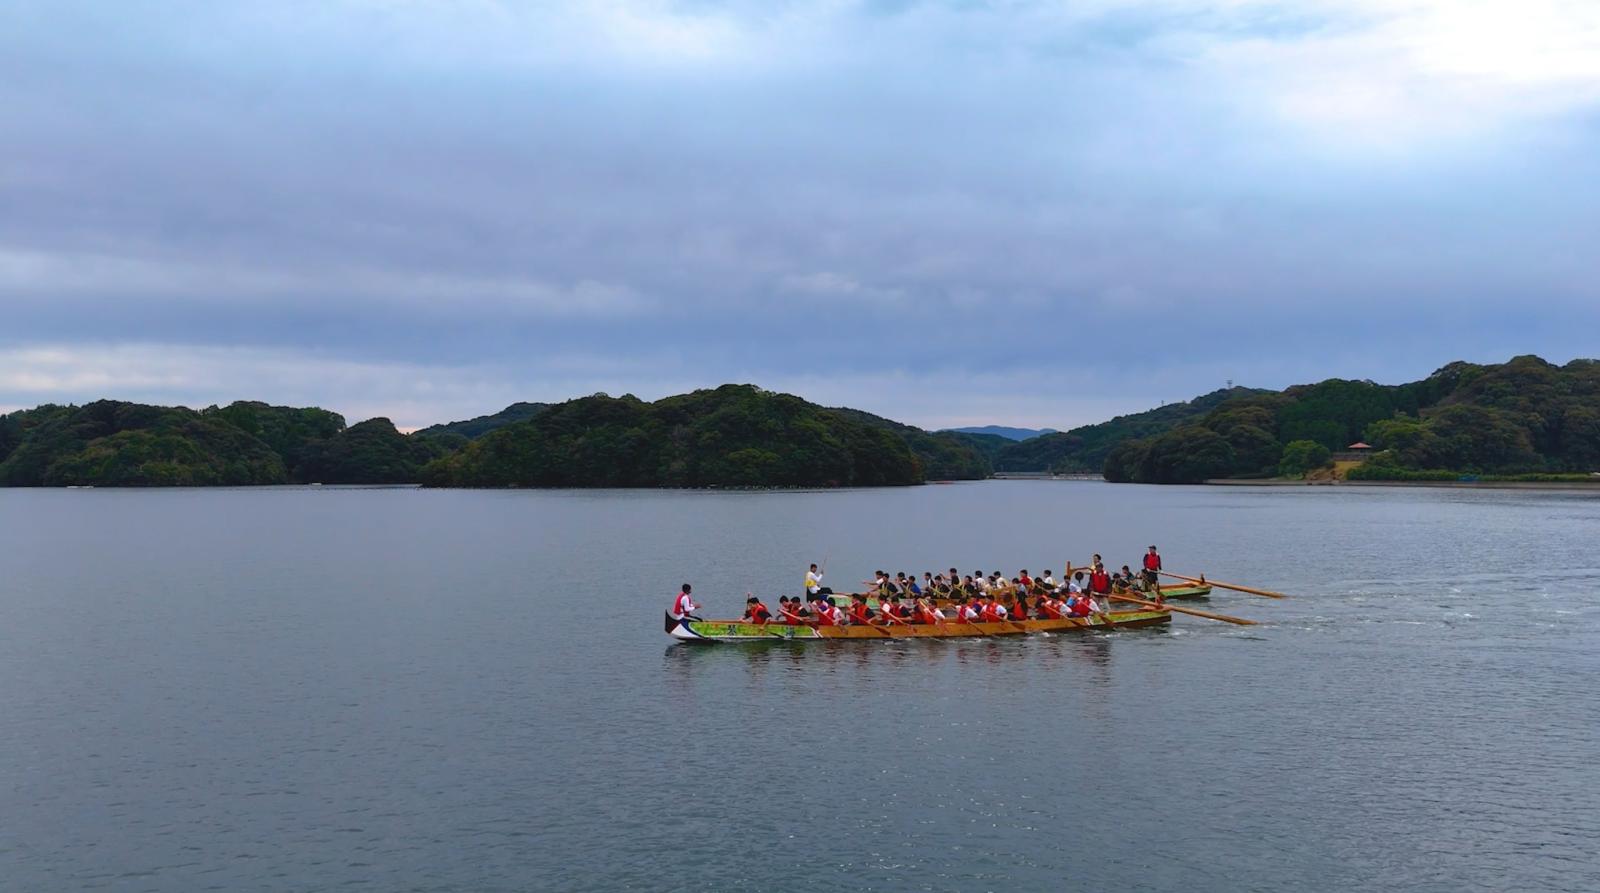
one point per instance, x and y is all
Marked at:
(372, 452)
(1301, 456)
(472, 429)
(130, 444)
(1129, 463)
(1189, 455)
(111, 443)
(1521, 417)
(987, 445)
(288, 430)
(1086, 448)
(945, 455)
(736, 435)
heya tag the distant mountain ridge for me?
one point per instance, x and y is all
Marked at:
(1005, 431)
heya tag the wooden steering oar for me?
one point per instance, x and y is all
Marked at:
(1202, 581)
(1165, 607)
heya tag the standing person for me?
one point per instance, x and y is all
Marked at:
(1100, 587)
(1152, 570)
(683, 607)
(814, 587)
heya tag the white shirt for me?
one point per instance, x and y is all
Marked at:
(1073, 587)
(969, 612)
(683, 605)
(1000, 611)
(813, 581)
(1049, 581)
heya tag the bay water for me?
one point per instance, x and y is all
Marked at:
(401, 689)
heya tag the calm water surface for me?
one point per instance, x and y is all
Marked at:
(308, 689)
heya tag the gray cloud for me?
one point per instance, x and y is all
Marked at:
(929, 209)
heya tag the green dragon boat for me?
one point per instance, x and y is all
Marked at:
(713, 631)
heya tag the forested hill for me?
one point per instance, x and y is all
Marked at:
(1522, 417)
(1084, 449)
(112, 443)
(733, 436)
(474, 428)
(945, 455)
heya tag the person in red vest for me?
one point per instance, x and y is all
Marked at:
(789, 611)
(1100, 582)
(1078, 604)
(927, 612)
(756, 612)
(859, 613)
(683, 607)
(893, 612)
(968, 613)
(1049, 608)
(1152, 570)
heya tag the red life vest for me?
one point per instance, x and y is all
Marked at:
(790, 616)
(927, 615)
(759, 614)
(1152, 561)
(859, 613)
(1049, 611)
(1080, 608)
(683, 605)
(989, 613)
(1100, 581)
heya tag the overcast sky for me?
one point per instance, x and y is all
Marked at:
(948, 213)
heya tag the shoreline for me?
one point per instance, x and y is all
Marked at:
(1462, 485)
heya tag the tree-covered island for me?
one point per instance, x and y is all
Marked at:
(1524, 418)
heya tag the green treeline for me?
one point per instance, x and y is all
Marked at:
(733, 436)
(117, 444)
(1084, 449)
(1523, 417)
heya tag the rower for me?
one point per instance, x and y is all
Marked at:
(789, 611)
(892, 612)
(859, 614)
(829, 614)
(683, 607)
(1049, 608)
(755, 612)
(928, 612)
(968, 612)
(1049, 579)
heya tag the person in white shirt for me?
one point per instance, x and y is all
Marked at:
(683, 606)
(814, 587)
(1049, 580)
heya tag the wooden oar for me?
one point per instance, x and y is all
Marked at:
(1202, 581)
(1165, 607)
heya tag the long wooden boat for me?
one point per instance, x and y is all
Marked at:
(711, 631)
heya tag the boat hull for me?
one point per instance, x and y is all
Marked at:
(712, 631)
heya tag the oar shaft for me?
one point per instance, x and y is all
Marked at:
(1206, 614)
(1234, 586)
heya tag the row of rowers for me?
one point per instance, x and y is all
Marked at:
(980, 597)
(892, 609)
